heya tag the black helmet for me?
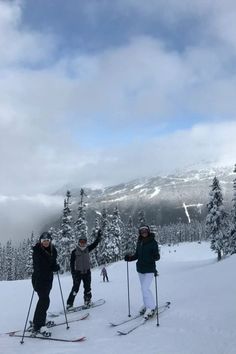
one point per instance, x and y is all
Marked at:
(82, 238)
(45, 236)
(144, 227)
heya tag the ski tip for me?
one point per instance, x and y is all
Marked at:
(11, 334)
(121, 333)
(53, 315)
(85, 316)
(82, 339)
(112, 324)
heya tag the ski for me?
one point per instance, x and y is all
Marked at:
(80, 339)
(132, 328)
(77, 308)
(142, 321)
(118, 323)
(81, 318)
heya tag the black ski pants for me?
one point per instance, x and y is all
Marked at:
(41, 308)
(105, 277)
(77, 278)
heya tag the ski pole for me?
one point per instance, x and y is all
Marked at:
(155, 275)
(63, 303)
(129, 315)
(27, 317)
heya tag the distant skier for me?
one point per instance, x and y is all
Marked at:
(147, 253)
(104, 274)
(44, 264)
(80, 269)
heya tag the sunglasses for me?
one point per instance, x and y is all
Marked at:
(144, 231)
(82, 241)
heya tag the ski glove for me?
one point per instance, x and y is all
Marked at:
(127, 258)
(74, 276)
(56, 268)
(35, 283)
(99, 236)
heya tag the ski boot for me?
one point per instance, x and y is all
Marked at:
(148, 314)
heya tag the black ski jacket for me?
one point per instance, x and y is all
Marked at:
(147, 253)
(44, 264)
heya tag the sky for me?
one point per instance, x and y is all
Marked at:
(95, 93)
(189, 277)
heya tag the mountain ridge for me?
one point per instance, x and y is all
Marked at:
(172, 196)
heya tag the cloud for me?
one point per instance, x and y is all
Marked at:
(80, 117)
(158, 99)
(201, 146)
(22, 215)
(18, 45)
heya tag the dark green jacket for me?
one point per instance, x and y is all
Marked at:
(147, 253)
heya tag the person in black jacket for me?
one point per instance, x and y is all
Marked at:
(80, 270)
(44, 264)
(147, 253)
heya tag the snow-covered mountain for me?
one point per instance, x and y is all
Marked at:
(163, 198)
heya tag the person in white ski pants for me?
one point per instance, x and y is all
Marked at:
(146, 254)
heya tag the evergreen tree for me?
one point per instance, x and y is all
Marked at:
(81, 228)
(4, 267)
(216, 221)
(232, 231)
(141, 218)
(104, 248)
(116, 232)
(1, 262)
(130, 241)
(94, 255)
(17, 265)
(9, 261)
(56, 236)
(66, 236)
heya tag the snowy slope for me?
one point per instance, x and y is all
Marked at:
(201, 319)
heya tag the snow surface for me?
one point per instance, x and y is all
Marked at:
(201, 319)
(156, 192)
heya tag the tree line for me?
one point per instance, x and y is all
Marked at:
(119, 238)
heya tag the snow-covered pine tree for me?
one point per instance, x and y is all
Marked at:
(141, 218)
(30, 242)
(115, 235)
(4, 268)
(14, 264)
(105, 246)
(1, 262)
(131, 238)
(9, 257)
(18, 264)
(174, 233)
(81, 227)
(94, 254)
(216, 220)
(21, 256)
(66, 236)
(55, 233)
(20, 261)
(232, 231)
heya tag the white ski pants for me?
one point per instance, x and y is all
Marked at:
(145, 282)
